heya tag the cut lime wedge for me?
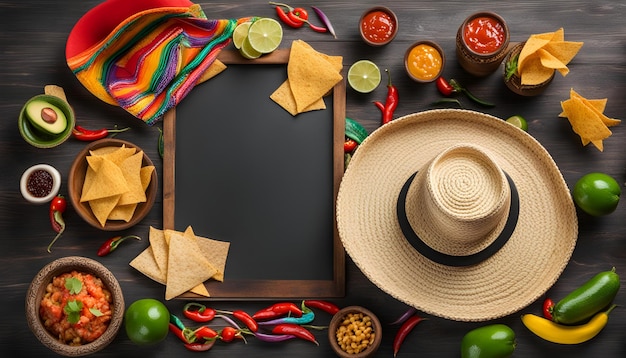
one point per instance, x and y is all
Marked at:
(519, 122)
(247, 51)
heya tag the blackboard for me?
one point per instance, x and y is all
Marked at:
(239, 168)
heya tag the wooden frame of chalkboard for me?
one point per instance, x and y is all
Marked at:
(270, 257)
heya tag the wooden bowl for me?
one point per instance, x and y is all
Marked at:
(76, 179)
(336, 323)
(37, 289)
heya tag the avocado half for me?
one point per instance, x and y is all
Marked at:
(46, 117)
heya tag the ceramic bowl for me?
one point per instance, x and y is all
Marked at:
(39, 138)
(514, 83)
(426, 60)
(337, 321)
(386, 31)
(481, 64)
(76, 178)
(54, 186)
(37, 290)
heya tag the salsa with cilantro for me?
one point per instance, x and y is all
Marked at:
(76, 308)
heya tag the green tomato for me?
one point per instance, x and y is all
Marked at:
(147, 321)
(492, 341)
(597, 194)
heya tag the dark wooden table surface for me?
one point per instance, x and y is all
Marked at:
(32, 42)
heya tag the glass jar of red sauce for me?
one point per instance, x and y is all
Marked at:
(378, 26)
(482, 42)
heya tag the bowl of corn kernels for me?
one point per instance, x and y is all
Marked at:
(355, 332)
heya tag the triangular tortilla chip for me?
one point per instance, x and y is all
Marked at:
(159, 248)
(549, 61)
(102, 207)
(147, 265)
(532, 45)
(214, 69)
(596, 106)
(186, 267)
(109, 181)
(131, 168)
(215, 252)
(284, 98)
(534, 72)
(565, 51)
(585, 122)
(310, 75)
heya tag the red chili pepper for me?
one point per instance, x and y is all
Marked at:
(349, 145)
(278, 309)
(228, 334)
(198, 312)
(298, 14)
(200, 347)
(88, 135)
(444, 87)
(317, 28)
(325, 306)
(404, 330)
(247, 320)
(57, 208)
(205, 333)
(285, 17)
(296, 330)
(391, 102)
(111, 244)
(548, 305)
(178, 332)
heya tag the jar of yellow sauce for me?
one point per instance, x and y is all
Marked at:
(424, 61)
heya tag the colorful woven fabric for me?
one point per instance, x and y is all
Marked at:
(152, 59)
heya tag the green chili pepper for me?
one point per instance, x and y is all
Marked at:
(458, 88)
(160, 145)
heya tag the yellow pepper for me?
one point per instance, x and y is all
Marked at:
(562, 334)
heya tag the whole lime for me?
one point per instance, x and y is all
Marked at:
(597, 194)
(147, 321)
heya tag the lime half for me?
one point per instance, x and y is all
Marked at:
(364, 76)
(265, 35)
(247, 51)
(240, 33)
(519, 122)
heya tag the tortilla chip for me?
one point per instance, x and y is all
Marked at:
(214, 69)
(310, 75)
(186, 267)
(147, 265)
(585, 122)
(549, 61)
(159, 248)
(597, 106)
(284, 98)
(215, 251)
(563, 50)
(102, 207)
(534, 72)
(122, 212)
(532, 45)
(109, 181)
(131, 169)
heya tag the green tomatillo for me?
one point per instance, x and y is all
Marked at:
(597, 194)
(147, 321)
(493, 341)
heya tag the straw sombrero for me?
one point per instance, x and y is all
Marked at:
(457, 213)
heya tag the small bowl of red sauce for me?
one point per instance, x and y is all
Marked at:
(40, 183)
(482, 42)
(424, 61)
(378, 26)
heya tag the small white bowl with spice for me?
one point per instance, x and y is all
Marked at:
(40, 183)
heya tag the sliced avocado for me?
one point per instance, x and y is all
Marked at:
(46, 117)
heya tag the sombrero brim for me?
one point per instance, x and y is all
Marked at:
(517, 275)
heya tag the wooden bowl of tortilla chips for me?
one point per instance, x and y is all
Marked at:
(112, 184)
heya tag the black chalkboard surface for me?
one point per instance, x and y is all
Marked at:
(239, 168)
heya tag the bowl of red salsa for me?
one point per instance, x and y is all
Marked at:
(74, 306)
(482, 42)
(378, 26)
